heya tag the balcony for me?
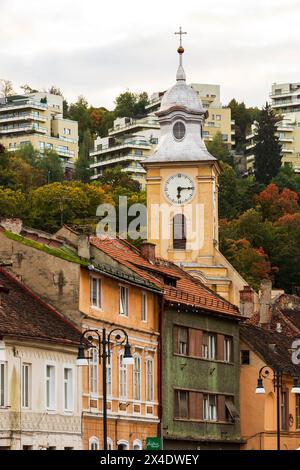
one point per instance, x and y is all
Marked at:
(282, 103)
(128, 145)
(138, 123)
(285, 128)
(22, 117)
(111, 161)
(32, 128)
(64, 152)
(286, 150)
(286, 139)
(23, 104)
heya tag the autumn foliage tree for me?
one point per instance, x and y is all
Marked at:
(274, 203)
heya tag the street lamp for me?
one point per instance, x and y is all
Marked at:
(263, 374)
(104, 351)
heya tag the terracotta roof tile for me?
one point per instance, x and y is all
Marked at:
(188, 291)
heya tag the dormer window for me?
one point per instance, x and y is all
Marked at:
(179, 130)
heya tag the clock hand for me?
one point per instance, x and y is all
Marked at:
(188, 188)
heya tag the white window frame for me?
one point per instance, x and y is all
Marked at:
(149, 396)
(137, 443)
(110, 444)
(92, 442)
(26, 383)
(137, 377)
(123, 310)
(122, 377)
(210, 411)
(52, 405)
(98, 297)
(70, 392)
(3, 384)
(93, 372)
(228, 349)
(144, 307)
(124, 443)
(212, 346)
(109, 375)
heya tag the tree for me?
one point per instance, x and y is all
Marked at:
(6, 88)
(130, 104)
(82, 165)
(267, 150)
(287, 178)
(79, 112)
(118, 180)
(28, 89)
(219, 149)
(274, 203)
(243, 118)
(12, 203)
(51, 166)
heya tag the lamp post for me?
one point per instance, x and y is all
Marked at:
(263, 374)
(104, 350)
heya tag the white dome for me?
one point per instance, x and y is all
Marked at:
(181, 94)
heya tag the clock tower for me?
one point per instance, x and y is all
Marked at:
(182, 192)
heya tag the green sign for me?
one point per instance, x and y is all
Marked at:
(153, 443)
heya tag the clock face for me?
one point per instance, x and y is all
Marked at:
(179, 189)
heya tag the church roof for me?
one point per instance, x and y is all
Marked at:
(181, 94)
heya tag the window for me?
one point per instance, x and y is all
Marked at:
(94, 443)
(137, 378)
(42, 146)
(67, 131)
(26, 379)
(245, 357)
(2, 383)
(109, 376)
(228, 349)
(93, 371)
(149, 380)
(231, 413)
(297, 411)
(122, 378)
(179, 130)
(225, 137)
(123, 301)
(95, 287)
(284, 411)
(183, 341)
(109, 444)
(218, 117)
(209, 346)
(210, 407)
(50, 146)
(181, 404)
(179, 232)
(137, 445)
(50, 387)
(144, 306)
(68, 389)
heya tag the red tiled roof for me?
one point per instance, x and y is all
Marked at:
(189, 291)
(24, 315)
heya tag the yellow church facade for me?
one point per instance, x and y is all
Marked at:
(182, 193)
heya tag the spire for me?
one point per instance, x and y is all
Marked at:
(180, 76)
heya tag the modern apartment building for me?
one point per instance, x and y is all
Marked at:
(37, 118)
(127, 144)
(285, 101)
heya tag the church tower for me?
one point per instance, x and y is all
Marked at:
(182, 192)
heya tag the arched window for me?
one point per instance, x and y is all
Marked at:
(109, 376)
(93, 371)
(122, 377)
(137, 445)
(137, 369)
(94, 443)
(109, 444)
(179, 232)
(123, 445)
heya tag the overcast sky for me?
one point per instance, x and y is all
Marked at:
(101, 48)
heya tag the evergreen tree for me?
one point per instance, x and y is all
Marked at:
(82, 166)
(267, 149)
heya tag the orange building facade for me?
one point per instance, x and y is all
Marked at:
(132, 390)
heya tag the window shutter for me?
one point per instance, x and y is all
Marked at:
(221, 408)
(220, 347)
(196, 405)
(195, 342)
(176, 339)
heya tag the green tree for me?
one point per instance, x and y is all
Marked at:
(130, 104)
(79, 112)
(287, 178)
(12, 203)
(267, 150)
(219, 149)
(51, 166)
(243, 118)
(119, 181)
(82, 165)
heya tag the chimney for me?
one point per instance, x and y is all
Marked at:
(83, 247)
(12, 225)
(265, 313)
(247, 302)
(148, 251)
